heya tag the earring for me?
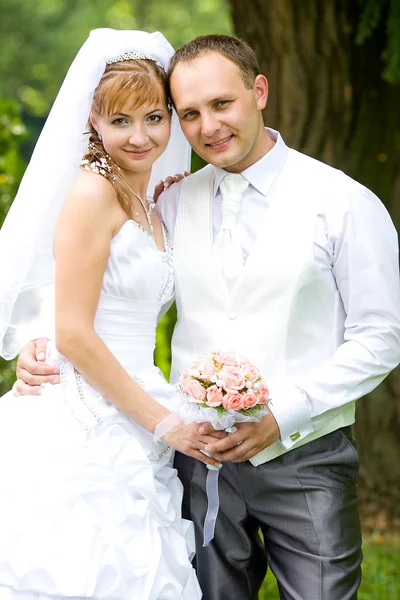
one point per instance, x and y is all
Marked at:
(99, 136)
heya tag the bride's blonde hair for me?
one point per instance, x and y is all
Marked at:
(132, 82)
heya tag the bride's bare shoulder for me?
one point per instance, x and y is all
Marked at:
(93, 185)
(93, 192)
(91, 199)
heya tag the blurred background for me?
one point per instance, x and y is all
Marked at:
(334, 73)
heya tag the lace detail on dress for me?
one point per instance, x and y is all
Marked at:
(74, 398)
(81, 394)
(143, 230)
(163, 449)
(65, 395)
(137, 380)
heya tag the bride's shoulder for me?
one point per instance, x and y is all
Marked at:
(91, 201)
(91, 192)
(91, 185)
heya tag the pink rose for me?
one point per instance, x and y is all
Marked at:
(250, 371)
(233, 402)
(206, 368)
(183, 379)
(198, 360)
(194, 389)
(184, 375)
(250, 400)
(232, 377)
(214, 396)
(263, 393)
(226, 358)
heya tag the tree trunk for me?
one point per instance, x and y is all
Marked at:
(328, 99)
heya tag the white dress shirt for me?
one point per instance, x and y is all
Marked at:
(356, 253)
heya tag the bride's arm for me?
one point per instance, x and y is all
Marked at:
(88, 221)
(83, 237)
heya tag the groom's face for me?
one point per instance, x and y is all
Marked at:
(219, 115)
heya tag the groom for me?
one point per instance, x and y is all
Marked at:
(295, 265)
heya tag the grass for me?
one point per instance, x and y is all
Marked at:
(381, 574)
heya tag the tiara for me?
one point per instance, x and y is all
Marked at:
(131, 56)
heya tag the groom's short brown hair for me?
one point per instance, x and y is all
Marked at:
(231, 47)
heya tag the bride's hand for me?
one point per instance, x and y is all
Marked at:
(164, 184)
(188, 440)
(32, 371)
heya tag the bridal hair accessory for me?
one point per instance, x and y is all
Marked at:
(221, 388)
(26, 238)
(101, 167)
(138, 56)
(132, 56)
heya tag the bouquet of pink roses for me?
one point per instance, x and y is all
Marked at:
(223, 389)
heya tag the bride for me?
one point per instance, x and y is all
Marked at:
(90, 506)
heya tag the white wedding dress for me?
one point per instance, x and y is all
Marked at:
(90, 507)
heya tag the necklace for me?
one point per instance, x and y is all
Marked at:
(147, 212)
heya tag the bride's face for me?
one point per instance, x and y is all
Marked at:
(135, 137)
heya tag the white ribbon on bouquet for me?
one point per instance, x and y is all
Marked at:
(195, 413)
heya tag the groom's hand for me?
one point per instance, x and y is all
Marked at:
(32, 370)
(164, 184)
(246, 442)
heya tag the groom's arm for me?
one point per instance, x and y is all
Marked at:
(32, 372)
(167, 206)
(365, 267)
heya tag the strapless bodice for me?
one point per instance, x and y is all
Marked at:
(137, 270)
(137, 282)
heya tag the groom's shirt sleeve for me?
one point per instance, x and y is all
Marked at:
(167, 207)
(364, 263)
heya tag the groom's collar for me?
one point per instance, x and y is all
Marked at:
(263, 172)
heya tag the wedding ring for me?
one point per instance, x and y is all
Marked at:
(241, 442)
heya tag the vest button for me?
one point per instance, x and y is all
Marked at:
(232, 315)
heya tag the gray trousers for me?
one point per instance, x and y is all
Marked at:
(305, 505)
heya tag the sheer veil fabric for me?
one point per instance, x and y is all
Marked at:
(26, 238)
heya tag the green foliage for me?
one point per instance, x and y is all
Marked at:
(380, 579)
(385, 13)
(162, 357)
(370, 18)
(7, 375)
(12, 132)
(40, 38)
(392, 54)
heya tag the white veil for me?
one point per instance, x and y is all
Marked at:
(26, 238)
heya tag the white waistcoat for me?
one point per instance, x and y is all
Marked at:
(279, 314)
